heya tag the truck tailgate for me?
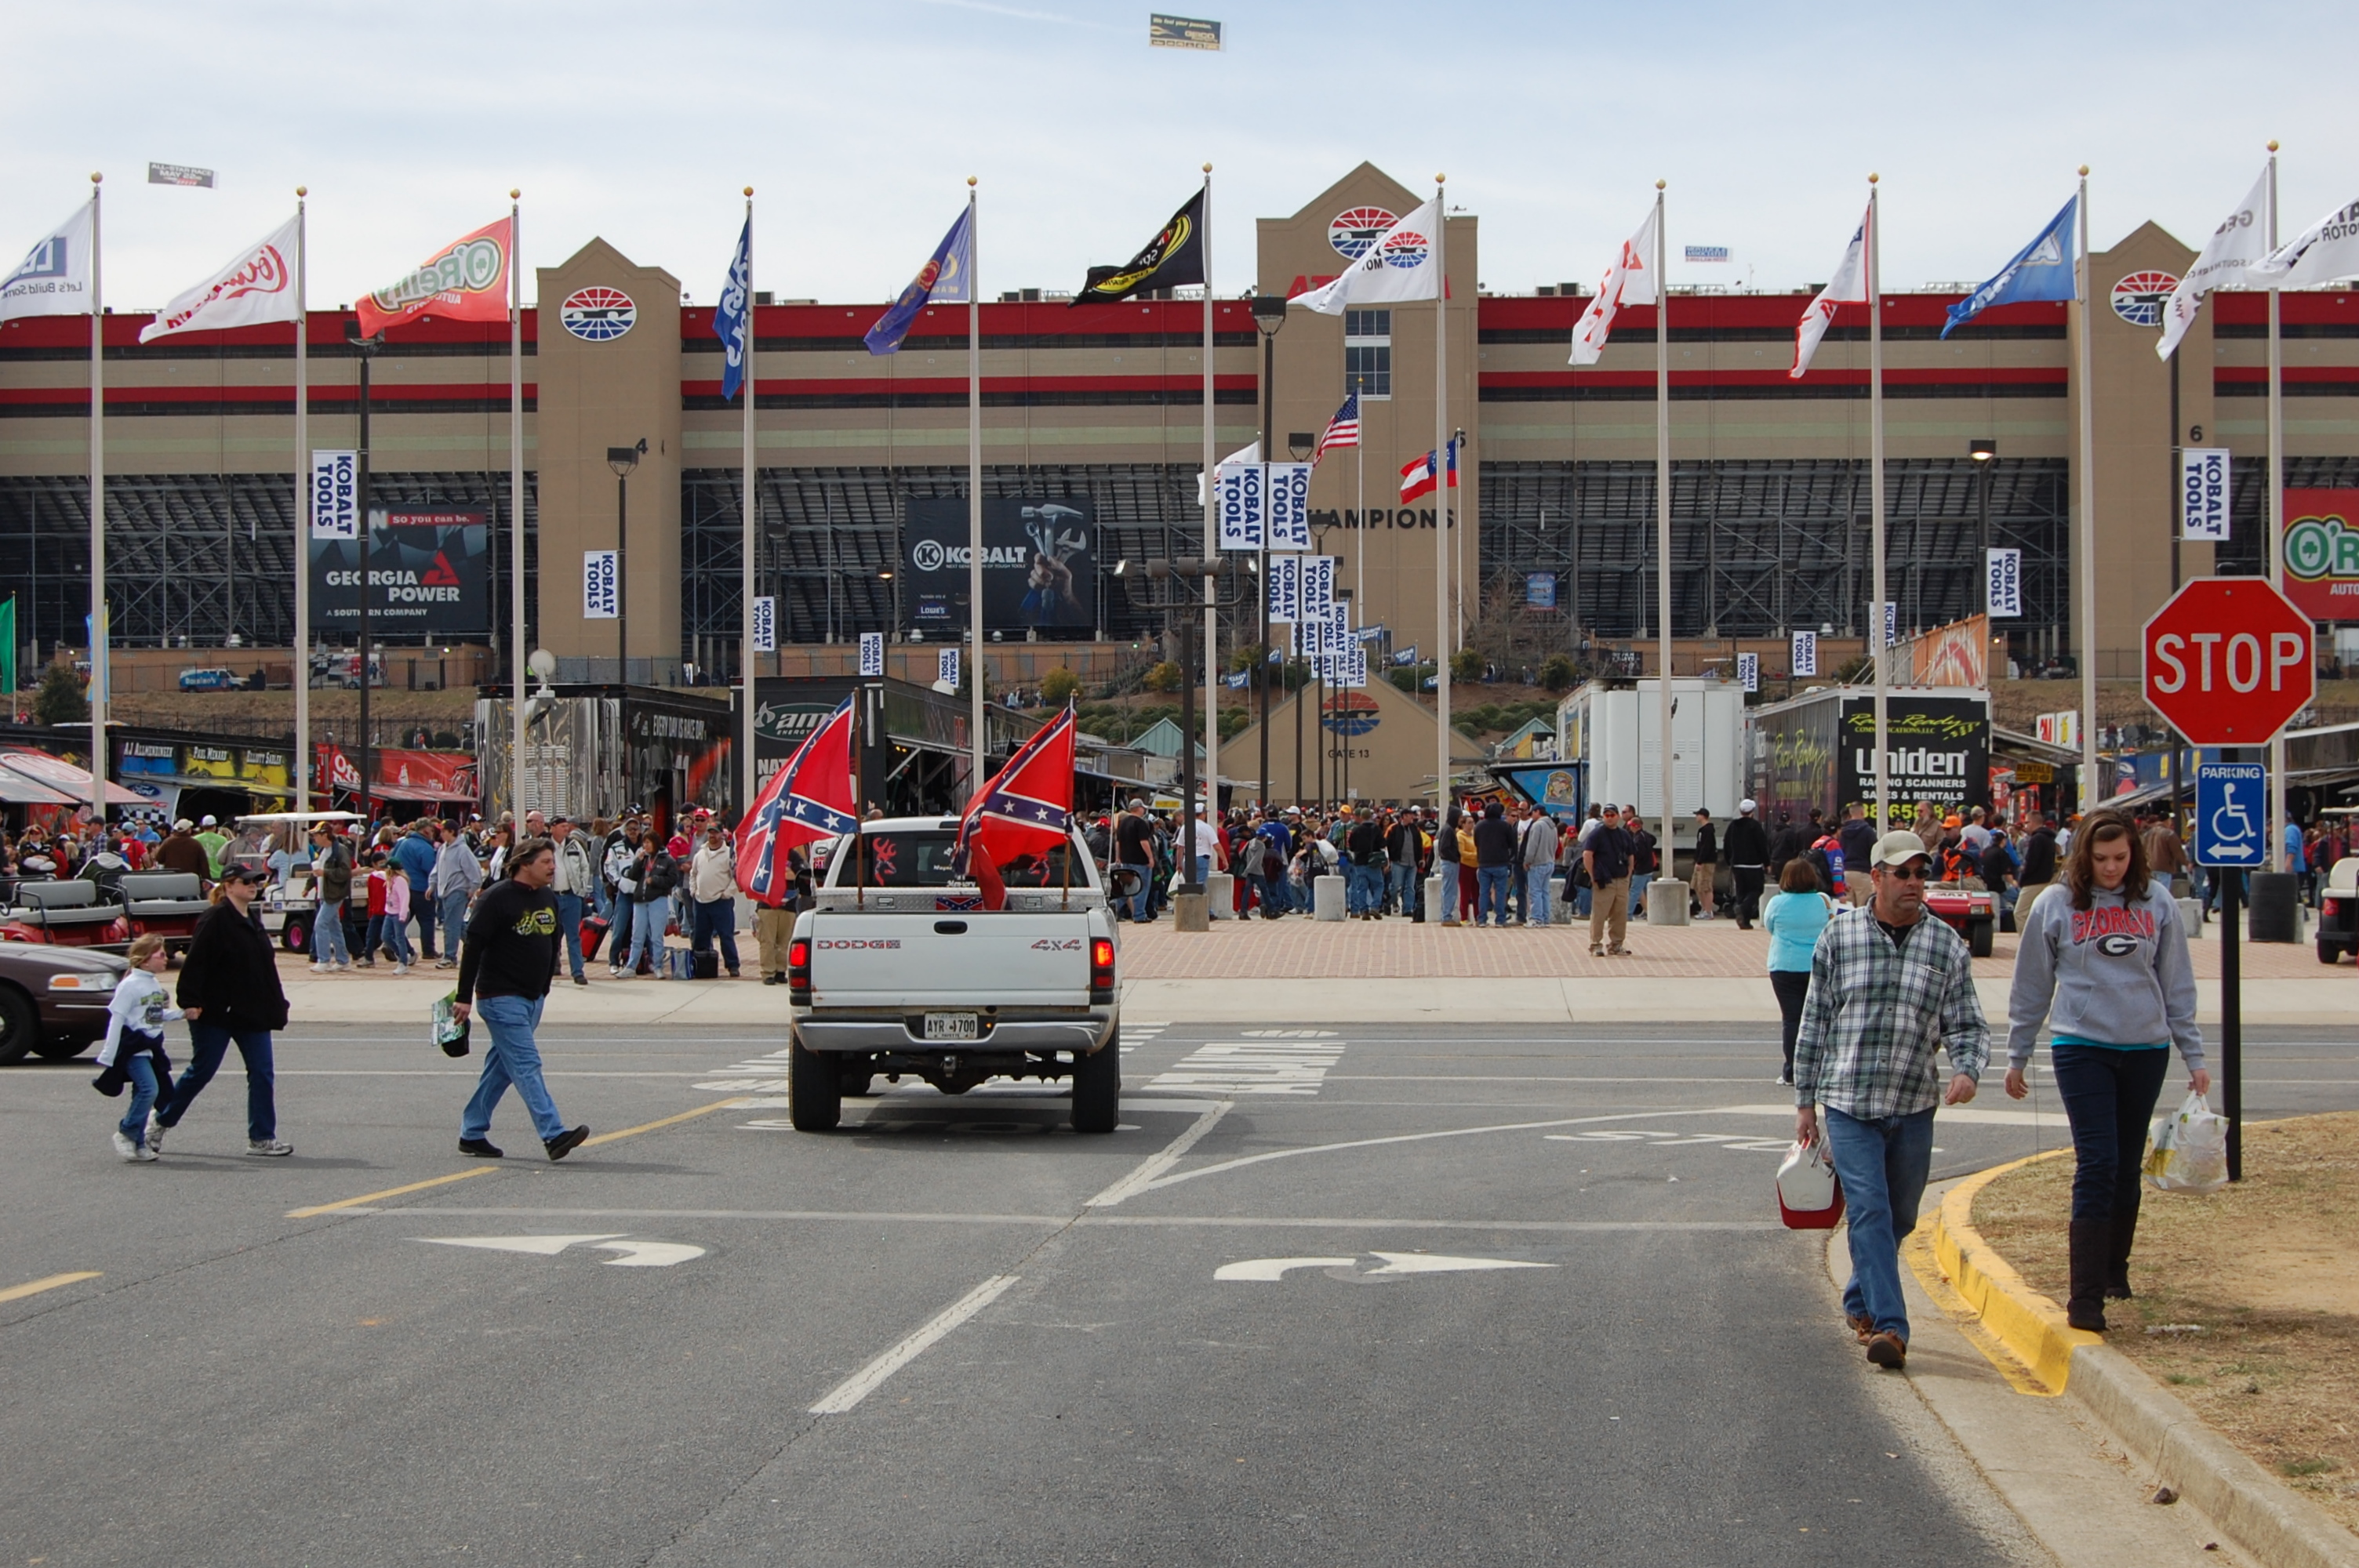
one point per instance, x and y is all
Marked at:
(914, 961)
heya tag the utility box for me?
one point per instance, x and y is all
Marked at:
(1616, 729)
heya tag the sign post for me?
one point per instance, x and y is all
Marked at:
(2229, 662)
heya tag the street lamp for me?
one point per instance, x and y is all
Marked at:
(1984, 452)
(367, 348)
(622, 460)
(1268, 317)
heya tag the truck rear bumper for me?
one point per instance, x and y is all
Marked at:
(906, 1033)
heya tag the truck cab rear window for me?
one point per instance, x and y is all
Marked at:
(923, 859)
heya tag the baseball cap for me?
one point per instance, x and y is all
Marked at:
(212, 822)
(1746, 806)
(1896, 848)
(182, 826)
(241, 872)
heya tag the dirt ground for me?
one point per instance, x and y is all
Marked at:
(2247, 1302)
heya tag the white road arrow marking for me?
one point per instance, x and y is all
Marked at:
(1267, 1268)
(546, 1245)
(648, 1254)
(1435, 1263)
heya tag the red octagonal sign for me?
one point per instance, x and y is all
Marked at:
(2229, 661)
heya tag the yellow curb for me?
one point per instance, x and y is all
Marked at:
(2032, 1326)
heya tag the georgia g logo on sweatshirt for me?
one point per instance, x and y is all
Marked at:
(2116, 932)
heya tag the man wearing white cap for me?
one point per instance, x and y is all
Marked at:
(215, 842)
(1888, 989)
(1747, 849)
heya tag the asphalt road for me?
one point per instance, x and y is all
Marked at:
(1512, 1295)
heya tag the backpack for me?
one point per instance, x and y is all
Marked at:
(1826, 858)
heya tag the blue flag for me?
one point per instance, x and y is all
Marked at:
(945, 279)
(732, 322)
(2041, 270)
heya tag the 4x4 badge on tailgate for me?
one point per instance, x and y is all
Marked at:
(1052, 945)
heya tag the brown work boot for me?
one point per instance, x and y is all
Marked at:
(1886, 1349)
(1861, 1326)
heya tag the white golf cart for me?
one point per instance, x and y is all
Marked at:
(286, 906)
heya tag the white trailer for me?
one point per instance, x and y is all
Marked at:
(1618, 730)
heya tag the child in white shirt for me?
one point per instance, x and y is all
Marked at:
(133, 1052)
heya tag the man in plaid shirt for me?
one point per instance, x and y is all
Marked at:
(1887, 987)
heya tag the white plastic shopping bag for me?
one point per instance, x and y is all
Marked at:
(2190, 1149)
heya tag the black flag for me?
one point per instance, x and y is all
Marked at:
(1173, 257)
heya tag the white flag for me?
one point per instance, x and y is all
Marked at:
(54, 278)
(1848, 287)
(2325, 251)
(1400, 266)
(1629, 281)
(2236, 245)
(257, 285)
(1248, 453)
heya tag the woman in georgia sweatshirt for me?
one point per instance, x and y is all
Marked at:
(2103, 960)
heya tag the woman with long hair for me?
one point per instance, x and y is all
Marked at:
(2104, 960)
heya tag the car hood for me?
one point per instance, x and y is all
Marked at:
(38, 960)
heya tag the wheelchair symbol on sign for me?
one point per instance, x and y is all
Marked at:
(2233, 830)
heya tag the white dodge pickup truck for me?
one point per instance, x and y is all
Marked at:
(899, 968)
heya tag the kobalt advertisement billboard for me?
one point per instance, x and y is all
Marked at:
(1039, 564)
(429, 576)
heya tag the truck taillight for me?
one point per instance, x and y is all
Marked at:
(798, 978)
(1102, 969)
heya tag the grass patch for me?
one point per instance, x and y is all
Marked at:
(2269, 1268)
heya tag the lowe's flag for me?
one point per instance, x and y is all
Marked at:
(2327, 250)
(54, 278)
(732, 320)
(1400, 266)
(2041, 270)
(2241, 241)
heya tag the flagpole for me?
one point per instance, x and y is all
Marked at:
(748, 516)
(517, 651)
(1441, 627)
(1876, 638)
(1212, 614)
(2273, 527)
(302, 509)
(1665, 850)
(2091, 790)
(974, 493)
(100, 688)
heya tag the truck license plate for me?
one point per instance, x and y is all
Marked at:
(952, 1026)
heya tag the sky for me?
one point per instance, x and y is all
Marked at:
(858, 124)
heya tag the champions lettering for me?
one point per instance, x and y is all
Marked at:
(1376, 517)
(2095, 925)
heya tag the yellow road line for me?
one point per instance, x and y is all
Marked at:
(485, 1170)
(18, 1292)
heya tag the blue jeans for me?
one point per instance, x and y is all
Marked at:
(1403, 878)
(568, 921)
(2109, 1094)
(1142, 903)
(1580, 900)
(513, 1057)
(1491, 892)
(648, 938)
(717, 919)
(208, 1043)
(454, 922)
(1363, 889)
(328, 935)
(1536, 893)
(141, 1071)
(397, 938)
(1882, 1166)
(1203, 869)
(1638, 881)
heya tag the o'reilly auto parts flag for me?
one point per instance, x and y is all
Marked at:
(1173, 257)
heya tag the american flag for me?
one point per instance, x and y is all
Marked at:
(1344, 430)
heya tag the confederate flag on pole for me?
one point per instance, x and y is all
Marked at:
(813, 797)
(1027, 805)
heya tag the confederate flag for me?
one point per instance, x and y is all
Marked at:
(813, 797)
(1027, 805)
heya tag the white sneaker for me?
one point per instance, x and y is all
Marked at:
(267, 1146)
(401, 969)
(124, 1147)
(156, 1131)
(319, 968)
(144, 1154)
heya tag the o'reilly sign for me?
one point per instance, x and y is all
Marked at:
(1937, 749)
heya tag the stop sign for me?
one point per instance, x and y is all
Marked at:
(2228, 661)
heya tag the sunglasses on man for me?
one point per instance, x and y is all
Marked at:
(1914, 873)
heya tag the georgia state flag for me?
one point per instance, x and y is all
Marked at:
(1417, 475)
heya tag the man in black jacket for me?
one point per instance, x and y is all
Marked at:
(229, 989)
(1747, 849)
(1607, 855)
(509, 955)
(1494, 865)
(2039, 862)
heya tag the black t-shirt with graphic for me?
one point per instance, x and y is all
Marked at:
(511, 944)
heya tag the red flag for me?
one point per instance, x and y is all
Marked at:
(1028, 804)
(466, 280)
(813, 797)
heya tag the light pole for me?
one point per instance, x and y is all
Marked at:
(1268, 317)
(368, 348)
(622, 460)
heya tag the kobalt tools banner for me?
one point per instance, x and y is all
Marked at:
(1039, 563)
(2203, 493)
(1937, 747)
(429, 576)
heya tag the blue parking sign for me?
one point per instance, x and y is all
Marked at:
(2231, 815)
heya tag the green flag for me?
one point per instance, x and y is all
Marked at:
(8, 652)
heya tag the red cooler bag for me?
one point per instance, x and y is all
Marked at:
(1809, 1196)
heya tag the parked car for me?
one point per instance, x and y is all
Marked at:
(2338, 912)
(53, 1000)
(208, 680)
